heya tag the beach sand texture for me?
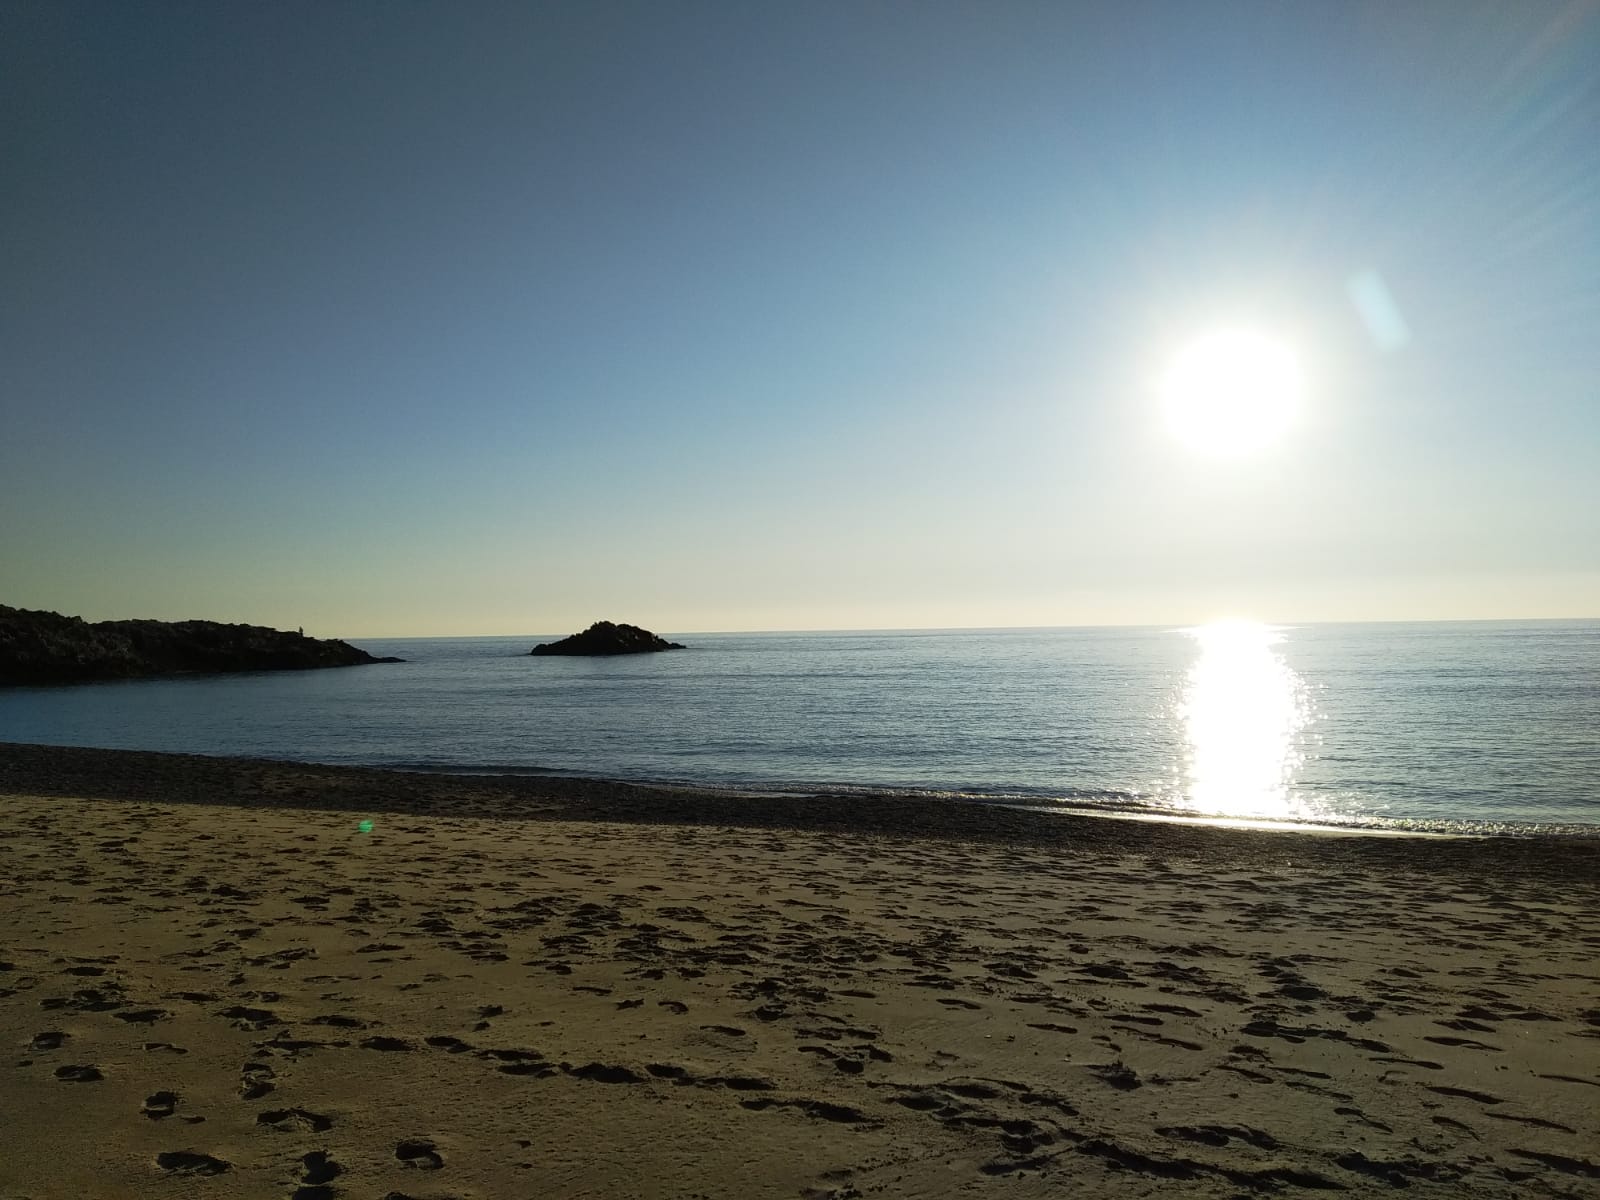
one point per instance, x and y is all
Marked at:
(253, 998)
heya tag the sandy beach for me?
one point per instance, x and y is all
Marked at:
(214, 983)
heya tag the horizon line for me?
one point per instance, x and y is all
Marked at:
(842, 629)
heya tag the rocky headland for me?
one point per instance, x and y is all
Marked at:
(604, 637)
(45, 647)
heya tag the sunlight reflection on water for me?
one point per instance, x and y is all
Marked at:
(1244, 713)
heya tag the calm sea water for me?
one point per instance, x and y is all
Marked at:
(1440, 725)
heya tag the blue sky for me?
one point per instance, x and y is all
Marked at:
(480, 318)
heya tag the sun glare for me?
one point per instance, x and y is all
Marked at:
(1244, 711)
(1232, 393)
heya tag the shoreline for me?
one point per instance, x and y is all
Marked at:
(247, 782)
(1118, 805)
(1053, 805)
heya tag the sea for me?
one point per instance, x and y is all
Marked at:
(1476, 727)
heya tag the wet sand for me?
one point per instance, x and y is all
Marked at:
(212, 983)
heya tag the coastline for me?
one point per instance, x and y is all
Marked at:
(524, 986)
(250, 782)
(1085, 722)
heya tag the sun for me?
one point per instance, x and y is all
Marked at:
(1232, 393)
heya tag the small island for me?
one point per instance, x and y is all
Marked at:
(38, 647)
(604, 637)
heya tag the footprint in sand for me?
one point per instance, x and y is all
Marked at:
(338, 1020)
(256, 1081)
(289, 1119)
(1465, 1094)
(319, 1170)
(188, 1162)
(47, 1041)
(820, 1109)
(419, 1153)
(85, 1074)
(252, 1019)
(1118, 1074)
(143, 1016)
(159, 1105)
(597, 1072)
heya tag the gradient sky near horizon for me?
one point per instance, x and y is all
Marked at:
(389, 319)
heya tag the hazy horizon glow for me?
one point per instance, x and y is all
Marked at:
(427, 320)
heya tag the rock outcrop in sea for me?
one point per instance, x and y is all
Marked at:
(603, 637)
(46, 647)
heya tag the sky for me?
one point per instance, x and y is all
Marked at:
(389, 319)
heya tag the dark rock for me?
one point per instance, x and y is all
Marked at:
(603, 637)
(45, 647)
